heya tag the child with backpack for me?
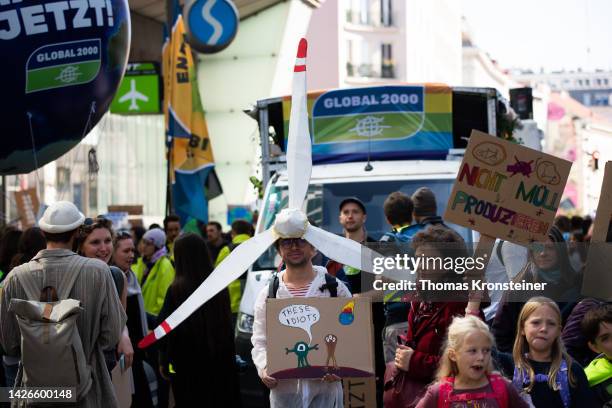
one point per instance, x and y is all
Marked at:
(465, 377)
(597, 328)
(541, 367)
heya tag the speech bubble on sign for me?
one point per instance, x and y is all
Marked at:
(300, 316)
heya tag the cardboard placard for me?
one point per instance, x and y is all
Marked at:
(596, 279)
(359, 392)
(310, 337)
(27, 206)
(123, 385)
(506, 190)
(134, 213)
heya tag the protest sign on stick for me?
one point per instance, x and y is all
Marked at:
(596, 280)
(507, 191)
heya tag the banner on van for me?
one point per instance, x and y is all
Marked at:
(379, 123)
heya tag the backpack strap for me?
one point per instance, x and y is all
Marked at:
(31, 286)
(498, 251)
(388, 237)
(498, 384)
(273, 286)
(27, 281)
(331, 284)
(563, 384)
(446, 388)
(72, 272)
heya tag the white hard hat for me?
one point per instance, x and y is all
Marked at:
(61, 216)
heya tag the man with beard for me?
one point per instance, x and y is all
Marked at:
(353, 216)
(300, 279)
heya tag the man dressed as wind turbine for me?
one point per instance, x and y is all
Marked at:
(289, 233)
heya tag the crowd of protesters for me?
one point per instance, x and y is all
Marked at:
(552, 350)
(151, 271)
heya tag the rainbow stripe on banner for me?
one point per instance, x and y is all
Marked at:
(382, 123)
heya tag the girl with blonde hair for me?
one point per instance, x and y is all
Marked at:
(542, 367)
(465, 377)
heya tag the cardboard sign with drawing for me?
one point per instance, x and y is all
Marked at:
(507, 191)
(311, 337)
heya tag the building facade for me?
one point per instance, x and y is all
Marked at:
(588, 88)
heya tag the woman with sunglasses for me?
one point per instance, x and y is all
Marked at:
(95, 240)
(548, 263)
(123, 258)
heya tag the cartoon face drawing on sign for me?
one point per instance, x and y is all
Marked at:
(547, 172)
(331, 341)
(489, 153)
(301, 349)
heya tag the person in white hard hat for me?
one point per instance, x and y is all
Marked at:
(102, 318)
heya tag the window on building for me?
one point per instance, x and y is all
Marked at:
(386, 9)
(350, 59)
(580, 82)
(363, 12)
(387, 67)
(63, 179)
(93, 196)
(365, 67)
(606, 81)
(587, 82)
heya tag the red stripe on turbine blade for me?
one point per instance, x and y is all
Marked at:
(165, 326)
(302, 47)
(299, 68)
(147, 341)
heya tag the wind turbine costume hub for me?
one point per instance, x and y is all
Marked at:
(291, 223)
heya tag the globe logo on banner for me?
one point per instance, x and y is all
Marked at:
(66, 62)
(382, 113)
(211, 24)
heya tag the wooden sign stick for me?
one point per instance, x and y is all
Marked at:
(483, 249)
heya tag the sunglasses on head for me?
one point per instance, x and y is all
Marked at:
(289, 242)
(98, 220)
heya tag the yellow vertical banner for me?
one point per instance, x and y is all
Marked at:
(191, 158)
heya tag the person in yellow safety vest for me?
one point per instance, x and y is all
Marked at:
(241, 231)
(154, 272)
(172, 228)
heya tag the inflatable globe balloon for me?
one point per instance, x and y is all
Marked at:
(63, 61)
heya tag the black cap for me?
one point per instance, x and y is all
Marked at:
(353, 200)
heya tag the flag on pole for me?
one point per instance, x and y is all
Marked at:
(192, 173)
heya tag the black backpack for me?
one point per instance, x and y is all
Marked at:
(330, 284)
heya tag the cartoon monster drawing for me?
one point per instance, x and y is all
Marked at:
(521, 167)
(331, 341)
(301, 349)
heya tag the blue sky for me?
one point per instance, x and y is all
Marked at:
(543, 33)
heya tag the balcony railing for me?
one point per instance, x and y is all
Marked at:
(355, 17)
(370, 71)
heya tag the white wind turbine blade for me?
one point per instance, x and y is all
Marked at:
(229, 270)
(340, 249)
(299, 157)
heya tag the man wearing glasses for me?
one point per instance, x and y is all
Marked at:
(300, 279)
